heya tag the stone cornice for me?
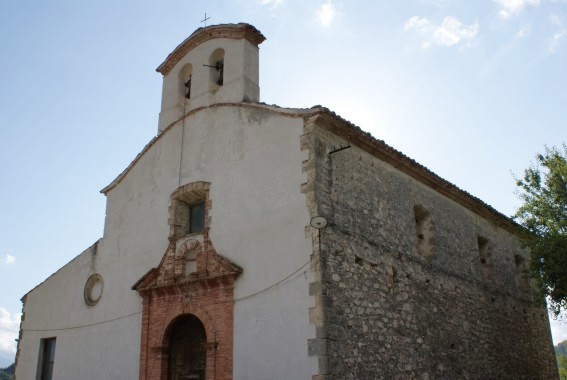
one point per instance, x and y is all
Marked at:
(201, 35)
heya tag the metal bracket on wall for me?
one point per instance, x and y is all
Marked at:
(339, 148)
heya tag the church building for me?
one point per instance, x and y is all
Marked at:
(248, 241)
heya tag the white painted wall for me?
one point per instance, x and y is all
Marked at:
(56, 307)
(253, 161)
(241, 76)
(252, 158)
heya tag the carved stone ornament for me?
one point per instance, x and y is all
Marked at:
(191, 245)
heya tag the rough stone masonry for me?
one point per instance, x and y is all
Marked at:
(413, 285)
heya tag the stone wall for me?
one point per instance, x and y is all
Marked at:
(388, 308)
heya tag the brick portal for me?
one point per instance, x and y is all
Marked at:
(170, 291)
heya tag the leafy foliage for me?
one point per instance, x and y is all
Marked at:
(562, 366)
(7, 373)
(561, 356)
(543, 190)
(561, 348)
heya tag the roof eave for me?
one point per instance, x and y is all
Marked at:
(355, 135)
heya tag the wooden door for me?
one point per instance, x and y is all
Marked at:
(187, 353)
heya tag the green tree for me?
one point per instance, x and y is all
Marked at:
(543, 190)
(6, 375)
(562, 365)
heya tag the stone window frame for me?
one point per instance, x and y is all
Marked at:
(181, 201)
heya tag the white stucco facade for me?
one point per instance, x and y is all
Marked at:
(251, 156)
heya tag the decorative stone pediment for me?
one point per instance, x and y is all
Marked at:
(185, 261)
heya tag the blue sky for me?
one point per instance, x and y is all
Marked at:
(470, 89)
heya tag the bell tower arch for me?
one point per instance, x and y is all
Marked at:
(215, 64)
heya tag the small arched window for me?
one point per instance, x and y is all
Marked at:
(216, 66)
(185, 76)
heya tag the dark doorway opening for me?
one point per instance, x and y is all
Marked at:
(187, 352)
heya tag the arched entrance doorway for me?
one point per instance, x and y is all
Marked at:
(187, 352)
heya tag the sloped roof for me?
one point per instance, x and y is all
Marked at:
(328, 119)
(386, 153)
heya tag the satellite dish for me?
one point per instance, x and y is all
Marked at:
(318, 222)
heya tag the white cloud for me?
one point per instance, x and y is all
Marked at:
(273, 3)
(509, 8)
(9, 326)
(326, 14)
(524, 31)
(556, 40)
(558, 329)
(420, 24)
(449, 33)
(7, 259)
(437, 3)
(559, 35)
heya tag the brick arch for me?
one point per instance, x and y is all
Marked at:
(212, 303)
(210, 345)
(183, 310)
(209, 296)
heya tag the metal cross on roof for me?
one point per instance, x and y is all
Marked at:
(205, 20)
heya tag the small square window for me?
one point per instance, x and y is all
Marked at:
(187, 212)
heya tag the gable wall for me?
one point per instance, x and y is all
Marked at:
(56, 308)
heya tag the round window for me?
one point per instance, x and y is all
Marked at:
(93, 289)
